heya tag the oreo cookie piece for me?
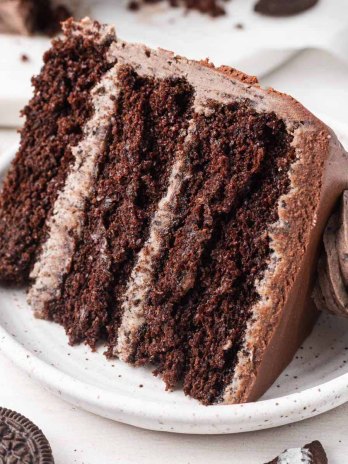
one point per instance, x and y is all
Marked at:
(313, 453)
(21, 441)
(283, 7)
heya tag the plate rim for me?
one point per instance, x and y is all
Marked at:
(148, 414)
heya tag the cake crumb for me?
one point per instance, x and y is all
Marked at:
(24, 58)
(213, 8)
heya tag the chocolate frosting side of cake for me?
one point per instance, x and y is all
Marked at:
(284, 319)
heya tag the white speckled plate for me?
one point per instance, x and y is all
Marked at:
(316, 380)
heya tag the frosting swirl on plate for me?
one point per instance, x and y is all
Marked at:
(331, 291)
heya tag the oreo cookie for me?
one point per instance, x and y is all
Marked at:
(313, 453)
(283, 7)
(21, 441)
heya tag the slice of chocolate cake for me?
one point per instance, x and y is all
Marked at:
(313, 453)
(28, 16)
(172, 209)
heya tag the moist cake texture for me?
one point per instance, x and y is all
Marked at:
(170, 209)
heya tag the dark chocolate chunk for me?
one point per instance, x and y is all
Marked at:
(283, 7)
(21, 441)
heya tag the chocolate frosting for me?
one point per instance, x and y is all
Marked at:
(331, 291)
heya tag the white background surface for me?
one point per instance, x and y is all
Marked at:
(258, 47)
(320, 81)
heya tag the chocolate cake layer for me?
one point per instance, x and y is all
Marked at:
(54, 120)
(186, 225)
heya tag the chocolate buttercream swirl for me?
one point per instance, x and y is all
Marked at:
(331, 290)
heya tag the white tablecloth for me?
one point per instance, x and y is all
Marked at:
(320, 81)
